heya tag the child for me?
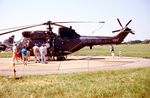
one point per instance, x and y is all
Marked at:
(24, 53)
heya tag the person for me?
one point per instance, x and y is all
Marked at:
(15, 52)
(42, 50)
(36, 53)
(18, 56)
(112, 52)
(52, 49)
(120, 54)
(24, 54)
(48, 49)
(45, 52)
(28, 54)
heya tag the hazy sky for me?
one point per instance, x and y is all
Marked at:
(25, 12)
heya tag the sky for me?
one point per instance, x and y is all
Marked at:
(26, 12)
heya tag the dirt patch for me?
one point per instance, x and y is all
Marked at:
(72, 64)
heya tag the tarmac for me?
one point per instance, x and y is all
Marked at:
(73, 64)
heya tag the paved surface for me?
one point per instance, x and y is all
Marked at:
(72, 64)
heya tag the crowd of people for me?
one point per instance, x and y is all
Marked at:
(42, 53)
(23, 55)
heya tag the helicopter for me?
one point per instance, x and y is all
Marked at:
(7, 44)
(68, 40)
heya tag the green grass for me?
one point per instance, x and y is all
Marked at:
(133, 83)
(137, 50)
(5, 54)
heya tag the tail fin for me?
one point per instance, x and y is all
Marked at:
(120, 37)
(9, 41)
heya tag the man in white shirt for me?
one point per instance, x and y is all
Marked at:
(42, 50)
(36, 53)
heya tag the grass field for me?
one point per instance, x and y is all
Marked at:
(133, 83)
(137, 50)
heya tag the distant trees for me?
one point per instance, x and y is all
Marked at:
(134, 42)
(146, 41)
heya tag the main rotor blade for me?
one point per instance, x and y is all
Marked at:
(21, 29)
(58, 25)
(81, 22)
(120, 23)
(14, 27)
(128, 23)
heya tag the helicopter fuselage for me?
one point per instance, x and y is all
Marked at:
(68, 41)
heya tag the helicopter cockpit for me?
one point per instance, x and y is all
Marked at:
(67, 33)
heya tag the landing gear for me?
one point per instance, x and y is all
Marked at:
(60, 58)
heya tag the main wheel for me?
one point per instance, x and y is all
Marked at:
(60, 58)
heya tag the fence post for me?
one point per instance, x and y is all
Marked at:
(14, 70)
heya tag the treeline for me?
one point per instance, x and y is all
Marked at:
(147, 41)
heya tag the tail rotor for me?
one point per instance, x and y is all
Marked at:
(124, 28)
